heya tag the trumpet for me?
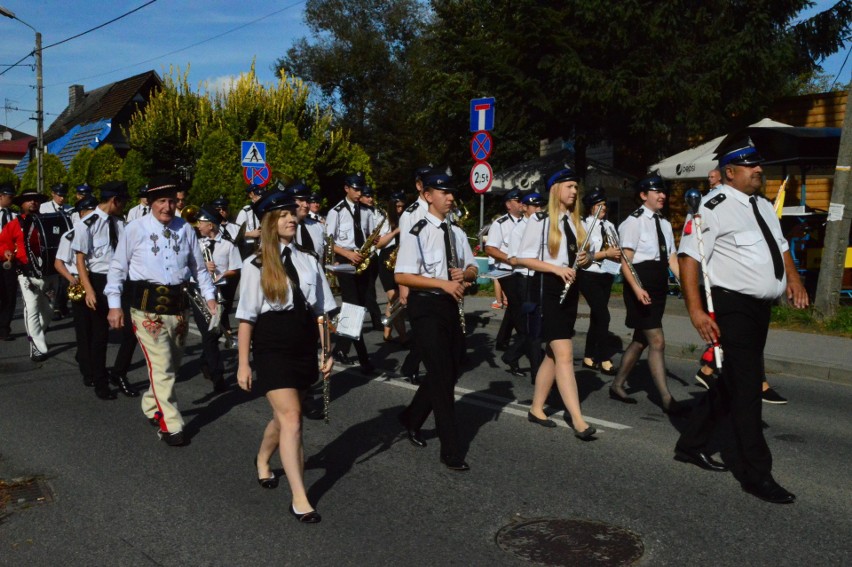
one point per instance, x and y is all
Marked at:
(369, 246)
(190, 214)
(218, 283)
(612, 240)
(395, 309)
(76, 292)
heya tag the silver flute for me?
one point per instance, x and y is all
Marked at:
(612, 238)
(583, 247)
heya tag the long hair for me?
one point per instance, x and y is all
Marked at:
(554, 237)
(273, 278)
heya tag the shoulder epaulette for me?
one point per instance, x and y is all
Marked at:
(503, 219)
(412, 207)
(711, 204)
(69, 235)
(637, 213)
(90, 220)
(541, 215)
(247, 208)
(415, 230)
(340, 206)
(256, 262)
(305, 249)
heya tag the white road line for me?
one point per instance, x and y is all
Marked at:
(503, 405)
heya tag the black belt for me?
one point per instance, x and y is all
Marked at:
(157, 298)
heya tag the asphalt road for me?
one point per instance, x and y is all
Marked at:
(124, 498)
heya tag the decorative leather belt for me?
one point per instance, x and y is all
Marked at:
(157, 298)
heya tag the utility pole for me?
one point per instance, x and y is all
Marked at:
(837, 229)
(39, 115)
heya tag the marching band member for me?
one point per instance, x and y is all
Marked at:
(525, 290)
(246, 218)
(425, 265)
(229, 229)
(142, 208)
(496, 246)
(8, 282)
(388, 242)
(57, 202)
(18, 242)
(283, 291)
(350, 224)
(596, 283)
(224, 266)
(95, 240)
(413, 214)
(647, 241)
(550, 246)
(66, 266)
(310, 234)
(81, 192)
(315, 204)
(749, 266)
(158, 254)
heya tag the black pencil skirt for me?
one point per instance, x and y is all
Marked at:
(655, 280)
(284, 349)
(558, 318)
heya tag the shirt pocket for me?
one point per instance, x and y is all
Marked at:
(100, 242)
(751, 248)
(343, 234)
(432, 261)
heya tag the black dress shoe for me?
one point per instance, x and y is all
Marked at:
(770, 491)
(368, 369)
(88, 382)
(592, 366)
(271, 482)
(455, 464)
(613, 395)
(515, 370)
(501, 346)
(587, 434)
(547, 422)
(105, 394)
(342, 358)
(120, 380)
(413, 434)
(700, 459)
(414, 378)
(675, 408)
(173, 439)
(219, 385)
(611, 371)
(311, 517)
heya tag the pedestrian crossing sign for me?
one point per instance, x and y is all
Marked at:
(253, 153)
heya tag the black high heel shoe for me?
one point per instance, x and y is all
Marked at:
(271, 482)
(312, 517)
(613, 395)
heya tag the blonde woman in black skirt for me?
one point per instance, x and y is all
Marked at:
(647, 241)
(282, 291)
(550, 246)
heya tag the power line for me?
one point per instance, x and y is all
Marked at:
(840, 72)
(99, 27)
(15, 64)
(196, 44)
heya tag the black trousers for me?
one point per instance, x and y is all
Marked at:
(211, 357)
(411, 364)
(435, 319)
(8, 298)
(596, 288)
(229, 290)
(516, 290)
(744, 324)
(371, 303)
(353, 289)
(98, 328)
(121, 365)
(60, 296)
(504, 334)
(83, 336)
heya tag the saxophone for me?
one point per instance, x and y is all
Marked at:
(369, 246)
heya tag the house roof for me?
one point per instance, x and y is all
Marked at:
(16, 134)
(17, 147)
(104, 102)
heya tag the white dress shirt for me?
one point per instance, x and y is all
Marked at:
(317, 233)
(341, 223)
(534, 241)
(639, 233)
(225, 254)
(515, 243)
(91, 238)
(498, 237)
(424, 254)
(138, 211)
(64, 253)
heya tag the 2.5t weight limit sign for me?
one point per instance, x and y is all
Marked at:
(481, 177)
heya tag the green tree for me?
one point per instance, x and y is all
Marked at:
(78, 169)
(52, 170)
(216, 176)
(8, 176)
(136, 171)
(105, 165)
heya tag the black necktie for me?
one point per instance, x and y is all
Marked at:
(661, 242)
(299, 303)
(359, 233)
(144, 211)
(5, 220)
(777, 262)
(570, 241)
(448, 250)
(113, 233)
(307, 241)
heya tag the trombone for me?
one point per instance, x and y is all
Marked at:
(395, 309)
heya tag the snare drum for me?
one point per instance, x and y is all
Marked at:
(49, 227)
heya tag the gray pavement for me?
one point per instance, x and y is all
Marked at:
(124, 498)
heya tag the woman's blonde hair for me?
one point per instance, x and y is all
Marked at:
(273, 278)
(554, 237)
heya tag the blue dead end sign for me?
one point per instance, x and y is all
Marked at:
(480, 146)
(481, 114)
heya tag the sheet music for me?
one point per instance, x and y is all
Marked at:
(215, 319)
(610, 267)
(350, 320)
(496, 274)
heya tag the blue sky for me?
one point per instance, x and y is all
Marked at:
(141, 42)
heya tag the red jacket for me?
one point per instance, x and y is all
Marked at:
(12, 239)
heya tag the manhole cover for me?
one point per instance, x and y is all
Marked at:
(558, 542)
(22, 493)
